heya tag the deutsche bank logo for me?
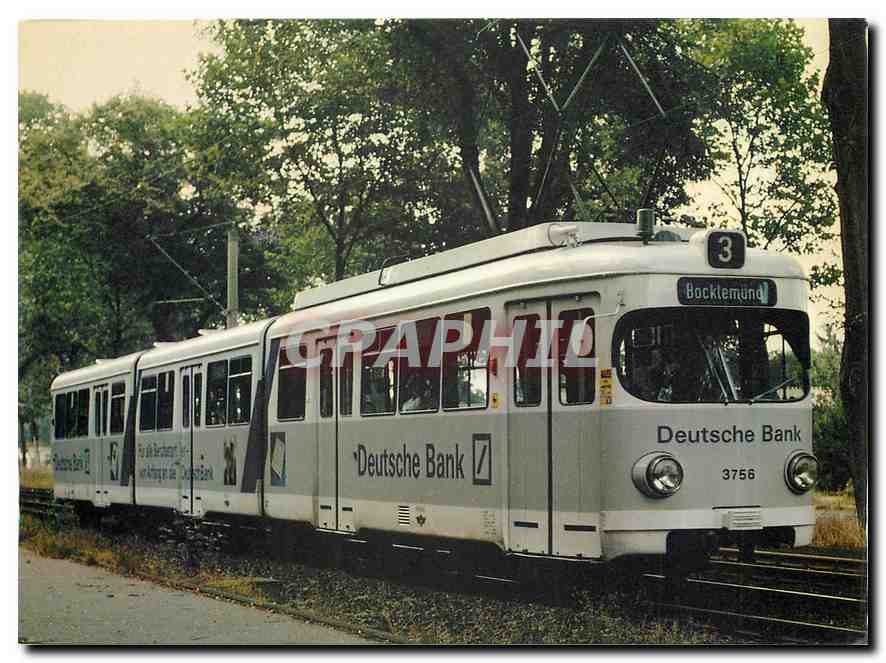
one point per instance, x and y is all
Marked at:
(482, 460)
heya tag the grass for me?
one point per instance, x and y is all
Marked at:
(423, 614)
(836, 525)
(35, 477)
(838, 532)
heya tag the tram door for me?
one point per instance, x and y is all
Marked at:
(553, 446)
(327, 435)
(100, 423)
(529, 470)
(192, 424)
(575, 426)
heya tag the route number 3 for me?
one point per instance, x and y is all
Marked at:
(726, 249)
(725, 254)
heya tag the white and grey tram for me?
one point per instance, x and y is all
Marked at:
(687, 422)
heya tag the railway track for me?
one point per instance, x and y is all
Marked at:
(778, 597)
(783, 597)
(40, 502)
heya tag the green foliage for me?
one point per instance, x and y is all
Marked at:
(92, 189)
(830, 428)
(304, 106)
(769, 136)
(472, 79)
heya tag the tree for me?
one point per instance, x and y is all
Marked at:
(153, 191)
(57, 314)
(845, 96)
(770, 136)
(830, 428)
(474, 78)
(301, 113)
(92, 188)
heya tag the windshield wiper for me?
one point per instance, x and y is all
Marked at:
(775, 388)
(712, 367)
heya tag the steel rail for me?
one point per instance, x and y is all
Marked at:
(770, 568)
(764, 620)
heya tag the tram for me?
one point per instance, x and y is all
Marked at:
(571, 391)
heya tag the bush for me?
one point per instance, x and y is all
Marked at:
(830, 431)
(830, 443)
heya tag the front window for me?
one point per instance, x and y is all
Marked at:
(713, 355)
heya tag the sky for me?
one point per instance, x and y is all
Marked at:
(79, 63)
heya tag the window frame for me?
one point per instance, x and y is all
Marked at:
(121, 397)
(209, 385)
(618, 334)
(60, 414)
(141, 393)
(593, 355)
(402, 365)
(169, 378)
(299, 368)
(326, 372)
(541, 380)
(394, 356)
(83, 412)
(485, 368)
(230, 401)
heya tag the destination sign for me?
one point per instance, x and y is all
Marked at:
(702, 291)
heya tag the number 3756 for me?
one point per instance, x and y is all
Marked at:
(738, 474)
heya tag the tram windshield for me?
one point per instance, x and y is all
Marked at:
(711, 355)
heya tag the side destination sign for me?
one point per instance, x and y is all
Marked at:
(706, 291)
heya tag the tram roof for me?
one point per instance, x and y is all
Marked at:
(527, 258)
(101, 370)
(536, 238)
(212, 342)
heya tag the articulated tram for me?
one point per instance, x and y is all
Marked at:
(573, 391)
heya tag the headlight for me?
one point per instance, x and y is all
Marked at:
(801, 471)
(657, 474)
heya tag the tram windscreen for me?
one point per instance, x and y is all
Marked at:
(713, 355)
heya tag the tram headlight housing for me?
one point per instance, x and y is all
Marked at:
(801, 471)
(657, 474)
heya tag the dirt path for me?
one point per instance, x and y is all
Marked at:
(61, 602)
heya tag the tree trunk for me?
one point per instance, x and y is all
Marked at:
(23, 442)
(845, 95)
(339, 258)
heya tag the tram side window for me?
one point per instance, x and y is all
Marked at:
(240, 390)
(60, 416)
(83, 413)
(326, 383)
(378, 383)
(118, 401)
(97, 412)
(419, 381)
(575, 342)
(217, 393)
(527, 377)
(104, 416)
(346, 385)
(71, 414)
(165, 399)
(291, 378)
(147, 418)
(466, 372)
(198, 398)
(186, 401)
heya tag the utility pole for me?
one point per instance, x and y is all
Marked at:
(233, 310)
